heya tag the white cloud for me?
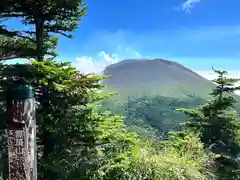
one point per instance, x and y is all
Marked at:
(110, 58)
(88, 64)
(210, 75)
(188, 5)
(96, 64)
(107, 47)
(202, 41)
(16, 61)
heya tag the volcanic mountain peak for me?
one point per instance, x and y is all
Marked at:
(151, 67)
(149, 62)
(141, 61)
(149, 75)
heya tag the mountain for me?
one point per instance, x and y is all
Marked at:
(150, 91)
(156, 76)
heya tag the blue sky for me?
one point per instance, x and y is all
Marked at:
(196, 33)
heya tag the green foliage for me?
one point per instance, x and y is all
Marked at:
(77, 141)
(73, 140)
(219, 128)
(11, 48)
(153, 161)
(152, 115)
(47, 17)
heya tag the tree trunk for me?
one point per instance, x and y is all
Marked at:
(39, 38)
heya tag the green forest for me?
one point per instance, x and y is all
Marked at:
(83, 133)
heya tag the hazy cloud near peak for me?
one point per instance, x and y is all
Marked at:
(96, 64)
(200, 41)
(188, 5)
(88, 64)
(210, 75)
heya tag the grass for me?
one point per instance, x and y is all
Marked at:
(154, 161)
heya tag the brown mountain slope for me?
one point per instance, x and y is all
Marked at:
(156, 76)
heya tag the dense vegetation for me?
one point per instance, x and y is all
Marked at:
(152, 115)
(78, 139)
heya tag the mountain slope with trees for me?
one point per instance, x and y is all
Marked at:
(76, 139)
(219, 127)
(150, 91)
(155, 77)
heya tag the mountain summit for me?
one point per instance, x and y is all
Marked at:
(155, 77)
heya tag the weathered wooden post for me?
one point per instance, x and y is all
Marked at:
(21, 132)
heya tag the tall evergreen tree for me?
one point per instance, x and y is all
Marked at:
(48, 16)
(219, 128)
(73, 140)
(217, 123)
(11, 48)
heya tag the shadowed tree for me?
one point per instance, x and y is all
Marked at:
(45, 17)
(218, 125)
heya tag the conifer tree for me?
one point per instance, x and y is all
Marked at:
(74, 140)
(48, 16)
(217, 123)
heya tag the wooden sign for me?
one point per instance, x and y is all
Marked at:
(22, 139)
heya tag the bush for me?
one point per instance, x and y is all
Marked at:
(165, 161)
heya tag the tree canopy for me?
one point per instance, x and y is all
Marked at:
(78, 140)
(218, 125)
(45, 18)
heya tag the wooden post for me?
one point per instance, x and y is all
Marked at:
(21, 132)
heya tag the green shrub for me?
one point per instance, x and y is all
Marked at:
(165, 161)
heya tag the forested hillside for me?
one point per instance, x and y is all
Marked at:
(139, 77)
(83, 133)
(150, 90)
(151, 115)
